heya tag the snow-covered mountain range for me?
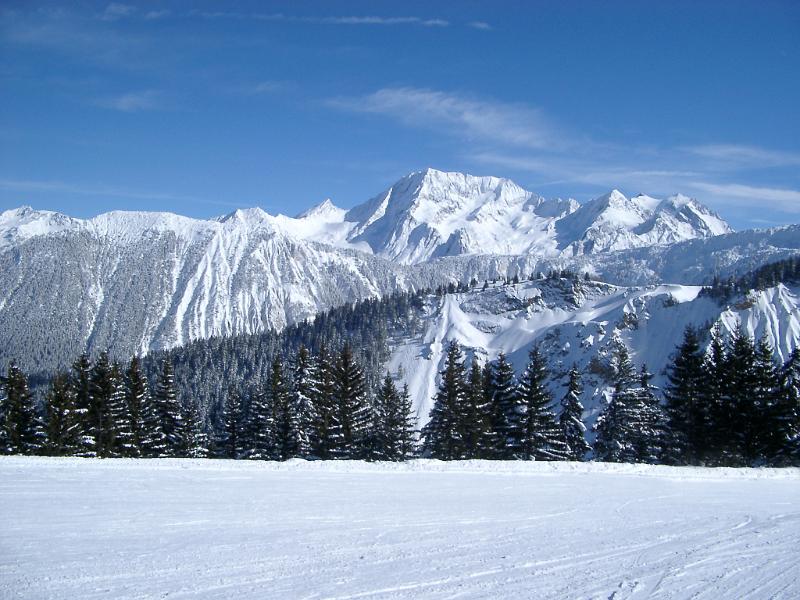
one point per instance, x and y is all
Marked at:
(134, 282)
(578, 322)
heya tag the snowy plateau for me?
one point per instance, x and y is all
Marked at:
(180, 528)
(137, 282)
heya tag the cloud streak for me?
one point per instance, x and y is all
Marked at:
(132, 101)
(23, 185)
(329, 20)
(457, 115)
(783, 199)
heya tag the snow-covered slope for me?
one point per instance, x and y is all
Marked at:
(579, 322)
(134, 282)
(216, 529)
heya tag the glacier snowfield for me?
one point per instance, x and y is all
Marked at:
(175, 528)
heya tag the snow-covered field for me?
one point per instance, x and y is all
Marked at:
(75, 528)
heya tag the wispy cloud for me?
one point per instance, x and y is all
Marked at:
(458, 115)
(132, 101)
(321, 20)
(26, 185)
(157, 14)
(787, 200)
(480, 25)
(738, 156)
(116, 11)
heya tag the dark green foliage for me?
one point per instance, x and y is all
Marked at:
(20, 426)
(509, 410)
(475, 414)
(63, 426)
(394, 422)
(303, 396)
(542, 438)
(686, 411)
(443, 439)
(170, 412)
(285, 425)
(351, 419)
(573, 430)
(231, 435)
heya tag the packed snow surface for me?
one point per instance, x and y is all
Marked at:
(76, 528)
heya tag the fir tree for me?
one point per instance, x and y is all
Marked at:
(324, 404)
(63, 427)
(741, 414)
(713, 399)
(196, 440)
(102, 389)
(787, 414)
(686, 411)
(612, 443)
(351, 416)
(257, 438)
(541, 435)
(81, 386)
(304, 391)
(286, 426)
(645, 423)
(476, 414)
(231, 433)
(21, 427)
(509, 406)
(571, 419)
(442, 438)
(170, 411)
(394, 424)
(136, 401)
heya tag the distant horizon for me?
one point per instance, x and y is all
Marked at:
(277, 104)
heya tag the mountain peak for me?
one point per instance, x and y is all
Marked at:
(323, 209)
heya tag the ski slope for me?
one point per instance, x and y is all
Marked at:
(175, 529)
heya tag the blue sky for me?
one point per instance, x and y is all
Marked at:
(200, 108)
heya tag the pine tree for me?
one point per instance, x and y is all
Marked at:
(351, 416)
(21, 427)
(170, 411)
(136, 401)
(765, 443)
(63, 427)
(645, 423)
(81, 386)
(475, 416)
(102, 388)
(571, 418)
(324, 404)
(286, 426)
(231, 433)
(713, 399)
(442, 439)
(408, 425)
(686, 411)
(120, 418)
(196, 441)
(741, 412)
(257, 440)
(510, 426)
(394, 423)
(612, 443)
(541, 436)
(305, 389)
(787, 414)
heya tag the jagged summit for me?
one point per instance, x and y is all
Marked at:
(424, 215)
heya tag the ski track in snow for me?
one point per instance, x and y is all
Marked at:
(221, 529)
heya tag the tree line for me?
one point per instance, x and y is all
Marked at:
(728, 405)
(317, 406)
